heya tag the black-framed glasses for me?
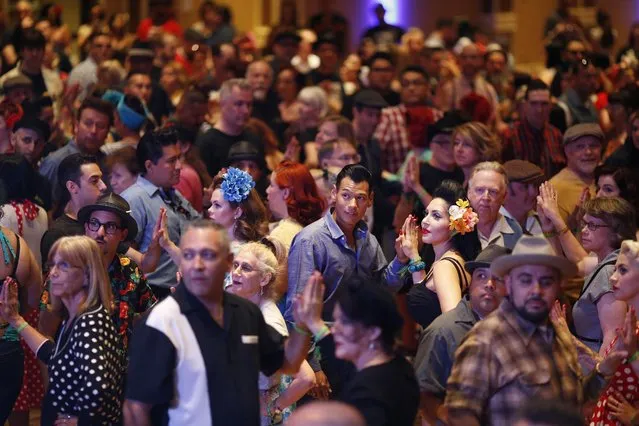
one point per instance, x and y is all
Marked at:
(109, 227)
(592, 227)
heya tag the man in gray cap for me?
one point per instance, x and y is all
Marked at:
(576, 182)
(515, 353)
(520, 203)
(438, 343)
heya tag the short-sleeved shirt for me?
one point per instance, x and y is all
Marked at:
(208, 374)
(584, 312)
(437, 346)
(146, 200)
(214, 147)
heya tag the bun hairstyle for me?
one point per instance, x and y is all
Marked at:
(467, 245)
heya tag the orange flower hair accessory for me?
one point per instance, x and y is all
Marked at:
(462, 217)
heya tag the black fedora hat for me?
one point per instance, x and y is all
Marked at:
(113, 203)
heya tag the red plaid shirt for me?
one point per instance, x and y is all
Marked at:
(394, 133)
(543, 147)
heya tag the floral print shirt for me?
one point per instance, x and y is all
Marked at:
(132, 295)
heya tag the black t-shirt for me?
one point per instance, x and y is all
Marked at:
(431, 178)
(385, 34)
(267, 110)
(39, 87)
(385, 394)
(160, 104)
(214, 147)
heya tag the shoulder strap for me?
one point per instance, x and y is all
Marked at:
(592, 278)
(15, 265)
(463, 282)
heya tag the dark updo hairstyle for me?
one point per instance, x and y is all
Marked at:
(371, 305)
(627, 181)
(467, 245)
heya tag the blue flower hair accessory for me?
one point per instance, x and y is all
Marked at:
(237, 185)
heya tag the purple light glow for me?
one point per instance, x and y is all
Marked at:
(394, 11)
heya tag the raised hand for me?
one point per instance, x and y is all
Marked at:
(407, 244)
(307, 309)
(9, 301)
(293, 149)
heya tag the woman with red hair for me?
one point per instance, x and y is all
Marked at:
(294, 199)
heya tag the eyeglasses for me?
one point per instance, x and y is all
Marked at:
(592, 226)
(109, 227)
(355, 158)
(62, 266)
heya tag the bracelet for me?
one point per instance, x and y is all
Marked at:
(415, 267)
(323, 332)
(634, 357)
(414, 261)
(22, 327)
(563, 231)
(301, 330)
(555, 233)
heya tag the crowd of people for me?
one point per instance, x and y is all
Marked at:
(198, 227)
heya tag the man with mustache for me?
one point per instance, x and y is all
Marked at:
(576, 182)
(486, 193)
(515, 354)
(520, 203)
(438, 343)
(158, 156)
(259, 74)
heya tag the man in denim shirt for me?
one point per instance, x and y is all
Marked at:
(340, 247)
(158, 155)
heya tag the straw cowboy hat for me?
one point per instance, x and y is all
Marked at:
(531, 250)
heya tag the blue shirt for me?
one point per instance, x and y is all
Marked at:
(146, 200)
(322, 246)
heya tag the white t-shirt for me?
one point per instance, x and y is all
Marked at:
(274, 318)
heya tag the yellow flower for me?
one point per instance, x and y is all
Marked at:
(463, 203)
(124, 261)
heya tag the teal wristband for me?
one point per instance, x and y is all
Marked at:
(21, 327)
(634, 357)
(301, 330)
(323, 332)
(417, 266)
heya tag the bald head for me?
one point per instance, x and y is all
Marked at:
(323, 413)
(470, 60)
(260, 76)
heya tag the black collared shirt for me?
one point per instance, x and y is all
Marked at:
(195, 372)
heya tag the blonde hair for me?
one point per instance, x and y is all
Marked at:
(83, 252)
(413, 32)
(267, 263)
(487, 144)
(630, 248)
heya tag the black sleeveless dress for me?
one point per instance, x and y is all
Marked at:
(423, 304)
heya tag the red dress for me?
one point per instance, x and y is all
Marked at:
(32, 389)
(624, 381)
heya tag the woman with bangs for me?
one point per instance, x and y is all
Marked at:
(605, 224)
(294, 199)
(86, 362)
(474, 143)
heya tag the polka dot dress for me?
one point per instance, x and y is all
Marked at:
(32, 388)
(85, 372)
(624, 381)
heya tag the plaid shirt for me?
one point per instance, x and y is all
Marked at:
(543, 148)
(393, 134)
(505, 361)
